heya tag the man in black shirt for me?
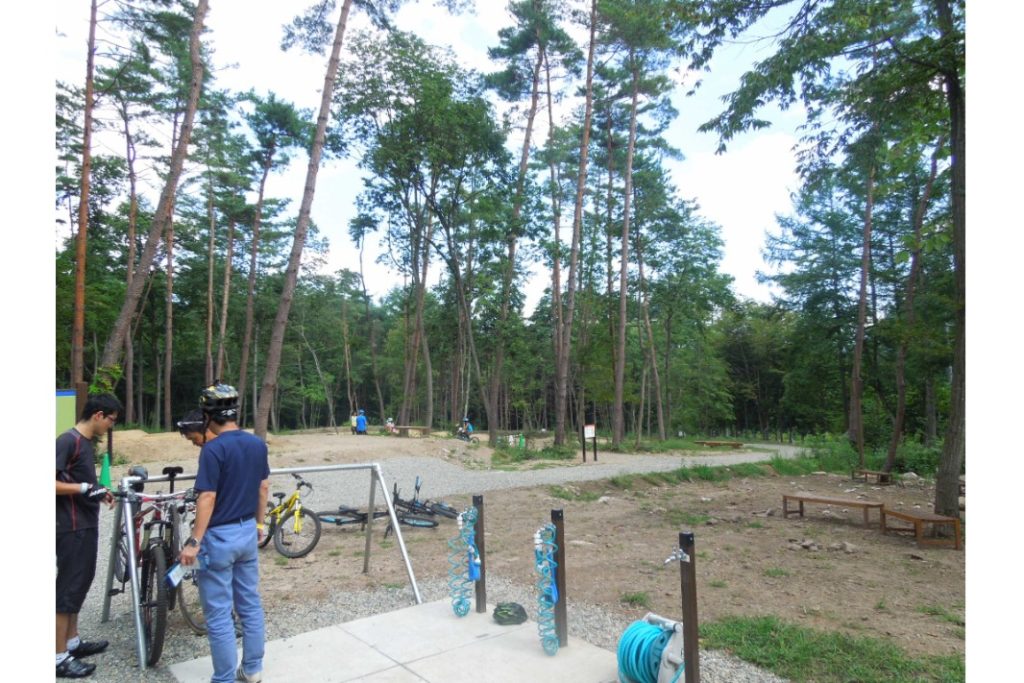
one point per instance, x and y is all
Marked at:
(78, 513)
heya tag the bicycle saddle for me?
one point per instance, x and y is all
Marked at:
(279, 496)
(171, 471)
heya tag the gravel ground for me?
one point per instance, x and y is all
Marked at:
(439, 479)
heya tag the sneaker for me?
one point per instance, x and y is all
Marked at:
(72, 668)
(248, 678)
(86, 648)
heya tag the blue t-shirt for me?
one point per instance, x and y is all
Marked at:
(233, 465)
(361, 423)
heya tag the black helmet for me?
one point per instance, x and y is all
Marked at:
(194, 422)
(219, 398)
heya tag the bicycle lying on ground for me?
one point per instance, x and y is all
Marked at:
(344, 516)
(157, 543)
(294, 528)
(422, 507)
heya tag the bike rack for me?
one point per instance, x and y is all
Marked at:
(122, 514)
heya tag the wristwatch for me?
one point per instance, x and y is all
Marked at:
(192, 542)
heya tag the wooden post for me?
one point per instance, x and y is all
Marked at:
(481, 584)
(688, 585)
(583, 442)
(561, 616)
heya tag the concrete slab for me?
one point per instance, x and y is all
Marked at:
(422, 644)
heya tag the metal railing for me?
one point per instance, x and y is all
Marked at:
(123, 523)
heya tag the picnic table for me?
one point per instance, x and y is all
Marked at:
(918, 519)
(802, 498)
(732, 444)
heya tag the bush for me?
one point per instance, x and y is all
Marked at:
(915, 457)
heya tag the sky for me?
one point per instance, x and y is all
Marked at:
(741, 190)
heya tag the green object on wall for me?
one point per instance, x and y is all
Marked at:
(65, 410)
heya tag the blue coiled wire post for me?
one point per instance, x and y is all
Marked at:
(544, 549)
(639, 653)
(463, 562)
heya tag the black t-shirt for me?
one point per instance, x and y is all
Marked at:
(76, 463)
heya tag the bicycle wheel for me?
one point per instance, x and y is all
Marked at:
(418, 521)
(154, 602)
(341, 517)
(298, 533)
(268, 525)
(190, 605)
(443, 509)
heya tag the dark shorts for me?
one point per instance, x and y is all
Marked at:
(76, 567)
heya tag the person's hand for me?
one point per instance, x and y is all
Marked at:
(260, 533)
(96, 493)
(109, 500)
(188, 555)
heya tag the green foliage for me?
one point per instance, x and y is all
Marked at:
(803, 655)
(638, 599)
(572, 494)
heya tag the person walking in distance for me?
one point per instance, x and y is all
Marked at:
(361, 423)
(232, 483)
(78, 515)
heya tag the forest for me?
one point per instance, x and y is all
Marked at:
(639, 329)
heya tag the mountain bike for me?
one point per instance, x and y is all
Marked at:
(422, 507)
(344, 516)
(295, 529)
(157, 543)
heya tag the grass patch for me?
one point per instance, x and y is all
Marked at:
(281, 561)
(716, 583)
(707, 473)
(802, 655)
(622, 481)
(775, 572)
(755, 525)
(334, 553)
(507, 455)
(942, 613)
(640, 599)
(569, 494)
(678, 517)
(748, 469)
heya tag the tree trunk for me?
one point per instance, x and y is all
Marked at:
(133, 210)
(429, 372)
(372, 325)
(250, 299)
(653, 353)
(169, 326)
(225, 298)
(210, 376)
(115, 342)
(618, 423)
(323, 382)
(931, 429)
(78, 326)
(292, 272)
(347, 352)
(856, 430)
(901, 356)
(947, 480)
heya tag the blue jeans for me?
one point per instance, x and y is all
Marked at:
(230, 576)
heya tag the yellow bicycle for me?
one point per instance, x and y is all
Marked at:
(294, 528)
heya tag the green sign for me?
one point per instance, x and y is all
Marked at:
(65, 410)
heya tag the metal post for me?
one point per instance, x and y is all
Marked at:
(478, 530)
(398, 533)
(133, 573)
(369, 521)
(595, 445)
(561, 617)
(115, 537)
(688, 585)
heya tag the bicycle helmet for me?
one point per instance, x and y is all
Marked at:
(509, 613)
(362, 412)
(219, 399)
(192, 423)
(138, 471)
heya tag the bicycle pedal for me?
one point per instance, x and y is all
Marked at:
(115, 591)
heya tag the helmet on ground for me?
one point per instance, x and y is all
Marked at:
(507, 613)
(219, 398)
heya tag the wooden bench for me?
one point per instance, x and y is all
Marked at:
(881, 478)
(732, 444)
(919, 519)
(403, 430)
(802, 498)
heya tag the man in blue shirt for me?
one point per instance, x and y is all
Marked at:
(232, 482)
(361, 423)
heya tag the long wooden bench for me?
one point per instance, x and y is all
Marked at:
(881, 478)
(731, 444)
(403, 430)
(802, 498)
(918, 519)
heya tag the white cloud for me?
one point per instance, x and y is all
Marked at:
(741, 191)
